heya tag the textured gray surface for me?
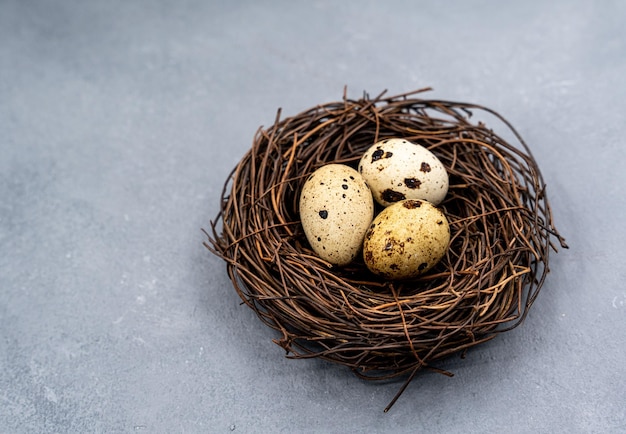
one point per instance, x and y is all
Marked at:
(119, 122)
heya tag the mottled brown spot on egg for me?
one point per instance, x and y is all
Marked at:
(323, 214)
(377, 154)
(412, 183)
(369, 256)
(392, 196)
(412, 204)
(388, 244)
(344, 186)
(425, 167)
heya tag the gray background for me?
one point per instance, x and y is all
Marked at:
(120, 121)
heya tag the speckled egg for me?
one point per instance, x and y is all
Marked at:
(406, 239)
(396, 169)
(336, 209)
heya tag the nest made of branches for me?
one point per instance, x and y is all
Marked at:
(501, 236)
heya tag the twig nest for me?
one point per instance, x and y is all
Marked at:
(500, 225)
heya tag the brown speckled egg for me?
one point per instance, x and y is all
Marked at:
(396, 169)
(336, 209)
(406, 239)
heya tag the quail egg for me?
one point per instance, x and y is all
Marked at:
(406, 239)
(336, 209)
(396, 169)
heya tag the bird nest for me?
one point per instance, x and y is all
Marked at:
(500, 224)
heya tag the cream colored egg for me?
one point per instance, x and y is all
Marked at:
(406, 239)
(336, 209)
(396, 169)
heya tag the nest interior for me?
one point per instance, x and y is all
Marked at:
(501, 236)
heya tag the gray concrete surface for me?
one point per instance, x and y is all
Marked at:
(119, 122)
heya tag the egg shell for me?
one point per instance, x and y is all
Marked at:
(336, 209)
(396, 169)
(406, 239)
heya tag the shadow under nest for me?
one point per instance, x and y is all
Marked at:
(500, 223)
